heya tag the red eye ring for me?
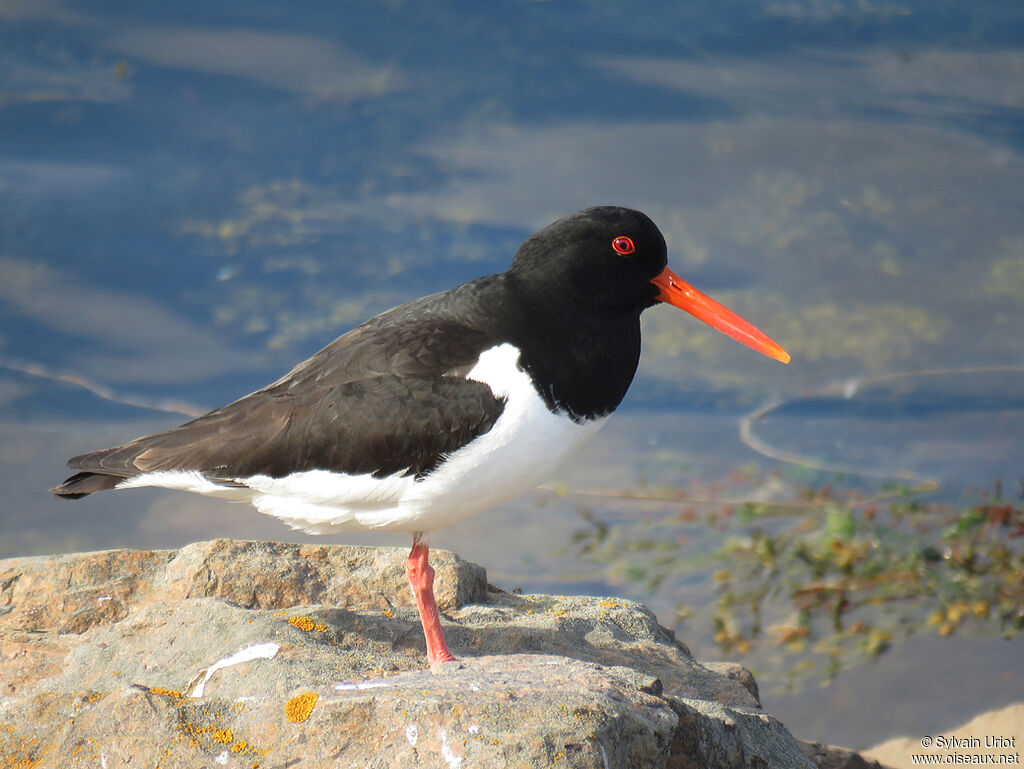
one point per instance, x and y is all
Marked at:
(623, 245)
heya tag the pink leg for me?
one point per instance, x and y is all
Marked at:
(421, 580)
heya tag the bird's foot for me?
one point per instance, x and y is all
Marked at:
(440, 657)
(421, 579)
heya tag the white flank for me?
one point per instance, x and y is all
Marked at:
(523, 449)
(186, 480)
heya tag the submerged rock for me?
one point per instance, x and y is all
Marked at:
(256, 654)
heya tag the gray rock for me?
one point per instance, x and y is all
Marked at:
(736, 672)
(252, 654)
(831, 757)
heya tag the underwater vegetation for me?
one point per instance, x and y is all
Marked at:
(821, 580)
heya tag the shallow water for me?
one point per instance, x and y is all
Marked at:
(195, 199)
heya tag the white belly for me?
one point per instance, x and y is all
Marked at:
(526, 445)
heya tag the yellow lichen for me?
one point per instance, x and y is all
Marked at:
(239, 747)
(222, 735)
(299, 708)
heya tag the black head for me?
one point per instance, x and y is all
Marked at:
(612, 262)
(602, 257)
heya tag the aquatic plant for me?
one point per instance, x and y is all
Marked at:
(824, 579)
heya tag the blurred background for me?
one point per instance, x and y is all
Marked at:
(194, 197)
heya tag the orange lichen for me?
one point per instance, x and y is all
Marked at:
(307, 624)
(164, 757)
(302, 623)
(204, 729)
(22, 753)
(173, 693)
(388, 613)
(299, 708)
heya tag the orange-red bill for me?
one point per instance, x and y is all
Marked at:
(677, 292)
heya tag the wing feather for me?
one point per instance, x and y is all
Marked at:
(389, 396)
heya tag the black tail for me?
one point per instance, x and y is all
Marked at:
(82, 484)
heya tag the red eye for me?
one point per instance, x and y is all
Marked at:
(623, 245)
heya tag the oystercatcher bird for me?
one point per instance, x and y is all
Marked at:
(440, 408)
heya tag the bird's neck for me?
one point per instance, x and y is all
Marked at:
(581, 361)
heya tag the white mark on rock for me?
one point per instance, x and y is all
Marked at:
(103, 598)
(221, 758)
(412, 733)
(448, 754)
(604, 755)
(103, 760)
(475, 687)
(265, 651)
(474, 729)
(361, 685)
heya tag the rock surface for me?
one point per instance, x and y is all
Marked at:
(253, 654)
